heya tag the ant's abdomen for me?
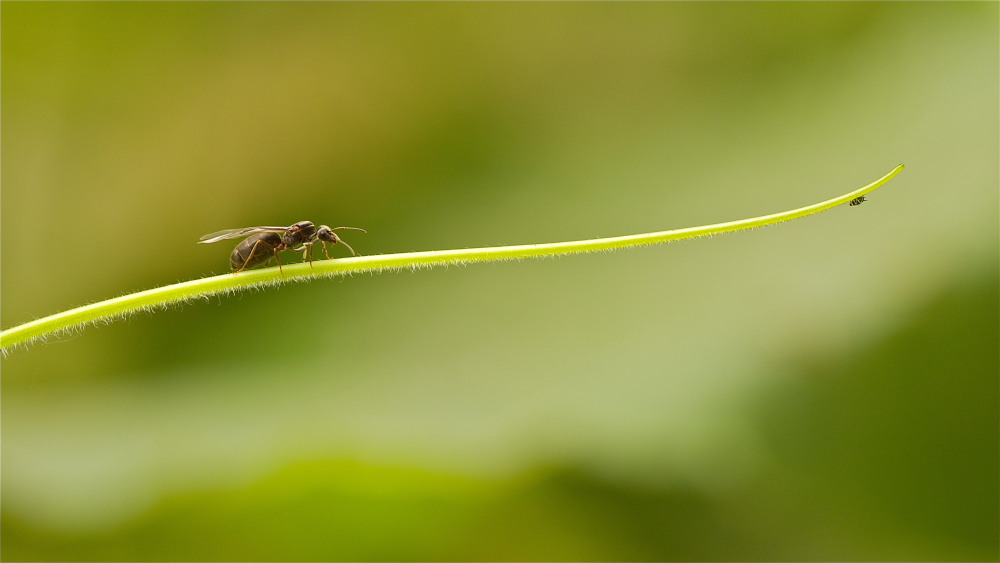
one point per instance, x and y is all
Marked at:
(254, 251)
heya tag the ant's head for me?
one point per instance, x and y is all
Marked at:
(326, 234)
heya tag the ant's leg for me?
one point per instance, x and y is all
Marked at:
(276, 257)
(325, 251)
(308, 252)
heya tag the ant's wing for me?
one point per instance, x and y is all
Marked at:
(240, 233)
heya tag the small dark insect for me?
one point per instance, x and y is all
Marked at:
(858, 200)
(264, 243)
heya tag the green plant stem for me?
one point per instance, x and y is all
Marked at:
(105, 311)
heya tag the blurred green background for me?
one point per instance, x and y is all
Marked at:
(825, 389)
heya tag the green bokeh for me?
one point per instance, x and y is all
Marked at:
(826, 389)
